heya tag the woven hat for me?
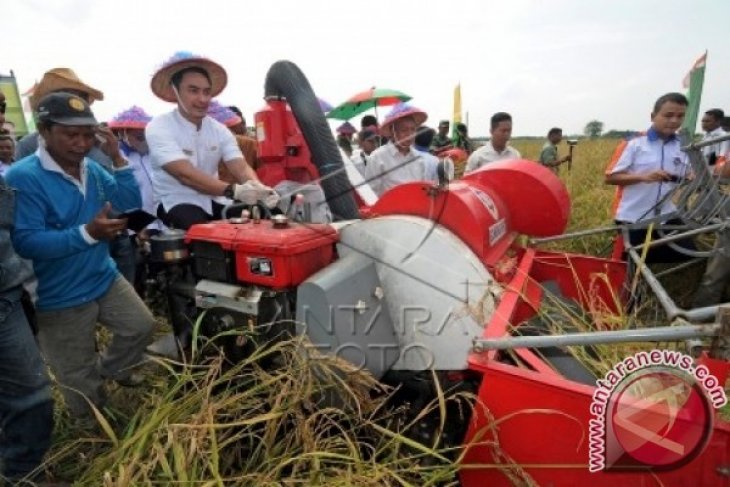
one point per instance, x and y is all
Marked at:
(131, 118)
(61, 79)
(224, 115)
(399, 112)
(161, 83)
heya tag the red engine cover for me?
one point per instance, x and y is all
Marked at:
(282, 151)
(270, 256)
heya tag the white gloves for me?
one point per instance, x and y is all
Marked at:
(253, 191)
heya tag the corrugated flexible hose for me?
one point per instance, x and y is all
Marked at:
(286, 80)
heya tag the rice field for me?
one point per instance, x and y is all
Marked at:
(212, 424)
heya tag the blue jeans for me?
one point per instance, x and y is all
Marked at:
(26, 406)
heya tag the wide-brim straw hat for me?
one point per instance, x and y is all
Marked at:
(399, 112)
(131, 118)
(161, 83)
(62, 79)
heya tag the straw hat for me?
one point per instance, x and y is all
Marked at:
(399, 112)
(131, 118)
(161, 83)
(61, 79)
(224, 115)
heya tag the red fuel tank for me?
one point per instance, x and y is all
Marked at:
(276, 256)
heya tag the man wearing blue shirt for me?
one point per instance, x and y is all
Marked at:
(63, 224)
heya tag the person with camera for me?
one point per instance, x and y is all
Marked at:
(186, 146)
(647, 171)
(66, 80)
(549, 154)
(63, 224)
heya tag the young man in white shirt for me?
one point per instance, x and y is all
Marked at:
(397, 162)
(715, 154)
(186, 146)
(649, 168)
(497, 148)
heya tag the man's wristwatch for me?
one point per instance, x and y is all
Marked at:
(229, 191)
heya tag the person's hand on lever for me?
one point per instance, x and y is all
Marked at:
(253, 191)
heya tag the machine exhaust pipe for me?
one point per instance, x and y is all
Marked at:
(286, 80)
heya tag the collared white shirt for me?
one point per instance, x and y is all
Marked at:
(3, 168)
(645, 154)
(487, 153)
(388, 167)
(720, 148)
(171, 137)
(360, 160)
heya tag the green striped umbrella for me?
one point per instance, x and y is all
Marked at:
(372, 98)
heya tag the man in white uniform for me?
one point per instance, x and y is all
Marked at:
(186, 145)
(497, 148)
(715, 154)
(397, 162)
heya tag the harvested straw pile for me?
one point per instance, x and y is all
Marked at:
(306, 422)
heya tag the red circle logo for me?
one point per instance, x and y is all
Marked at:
(660, 418)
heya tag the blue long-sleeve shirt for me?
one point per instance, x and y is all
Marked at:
(50, 213)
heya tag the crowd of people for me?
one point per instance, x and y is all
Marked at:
(68, 259)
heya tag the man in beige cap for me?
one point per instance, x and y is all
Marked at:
(186, 146)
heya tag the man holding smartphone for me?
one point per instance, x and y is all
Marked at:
(66, 80)
(63, 225)
(647, 170)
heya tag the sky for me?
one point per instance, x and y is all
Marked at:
(548, 63)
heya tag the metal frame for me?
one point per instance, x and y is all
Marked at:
(703, 209)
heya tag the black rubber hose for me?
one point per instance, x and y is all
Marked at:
(286, 80)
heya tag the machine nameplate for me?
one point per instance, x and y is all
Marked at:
(497, 231)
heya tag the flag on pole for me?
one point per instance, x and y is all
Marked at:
(457, 110)
(693, 82)
(14, 110)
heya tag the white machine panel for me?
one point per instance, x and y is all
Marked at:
(438, 292)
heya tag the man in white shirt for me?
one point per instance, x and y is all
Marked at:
(715, 154)
(496, 149)
(367, 141)
(186, 146)
(397, 162)
(648, 170)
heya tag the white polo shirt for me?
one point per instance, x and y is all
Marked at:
(171, 137)
(487, 153)
(720, 148)
(645, 154)
(388, 167)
